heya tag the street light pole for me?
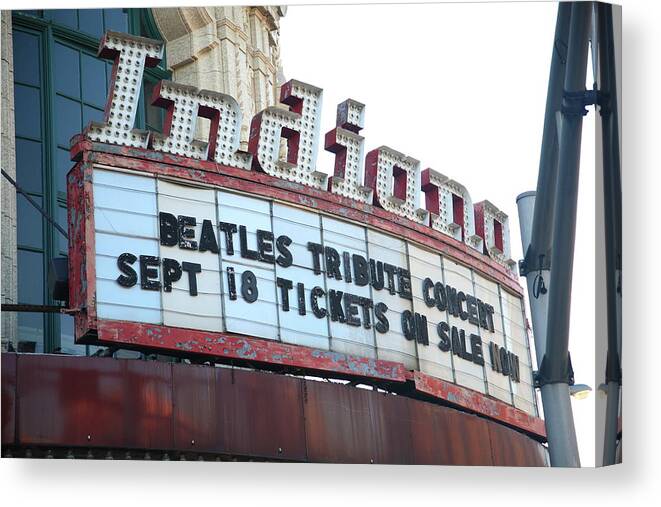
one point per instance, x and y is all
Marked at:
(549, 242)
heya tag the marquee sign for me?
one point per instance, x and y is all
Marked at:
(195, 246)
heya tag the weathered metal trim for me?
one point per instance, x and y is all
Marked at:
(479, 403)
(257, 183)
(243, 348)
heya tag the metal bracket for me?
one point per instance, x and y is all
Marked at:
(532, 262)
(574, 103)
(541, 377)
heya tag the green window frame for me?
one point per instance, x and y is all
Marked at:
(50, 89)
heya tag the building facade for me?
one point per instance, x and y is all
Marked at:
(53, 84)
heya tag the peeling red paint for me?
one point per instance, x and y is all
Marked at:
(478, 402)
(238, 347)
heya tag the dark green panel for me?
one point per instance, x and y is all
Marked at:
(66, 70)
(116, 19)
(92, 114)
(94, 82)
(67, 119)
(28, 165)
(27, 111)
(29, 223)
(26, 58)
(64, 17)
(30, 277)
(91, 22)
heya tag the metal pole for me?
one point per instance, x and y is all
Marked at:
(538, 301)
(555, 368)
(613, 223)
(542, 222)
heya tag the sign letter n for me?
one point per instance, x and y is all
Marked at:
(130, 54)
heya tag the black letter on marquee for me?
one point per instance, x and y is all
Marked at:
(285, 285)
(285, 258)
(452, 304)
(301, 298)
(476, 349)
(471, 307)
(443, 329)
(208, 238)
(316, 249)
(192, 268)
(482, 314)
(404, 283)
(383, 325)
(347, 266)
(456, 343)
(130, 277)
(335, 305)
(171, 273)
(317, 292)
(332, 264)
(421, 330)
(246, 253)
(504, 361)
(186, 234)
(265, 246)
(231, 284)
(229, 230)
(351, 309)
(147, 272)
(376, 274)
(440, 297)
(366, 304)
(168, 227)
(360, 270)
(426, 285)
(408, 325)
(390, 271)
(249, 286)
(490, 311)
(461, 298)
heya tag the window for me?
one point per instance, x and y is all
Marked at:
(59, 86)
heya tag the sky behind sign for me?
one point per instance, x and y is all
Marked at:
(462, 88)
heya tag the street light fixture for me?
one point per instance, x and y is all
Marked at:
(579, 391)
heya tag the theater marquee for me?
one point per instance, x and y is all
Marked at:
(200, 248)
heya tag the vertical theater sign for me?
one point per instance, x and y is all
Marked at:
(195, 247)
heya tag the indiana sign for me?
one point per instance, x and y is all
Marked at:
(197, 248)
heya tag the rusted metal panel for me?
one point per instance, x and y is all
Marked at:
(287, 191)
(96, 402)
(429, 442)
(8, 382)
(511, 448)
(260, 414)
(391, 418)
(468, 438)
(246, 348)
(196, 426)
(338, 424)
(479, 403)
(154, 406)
